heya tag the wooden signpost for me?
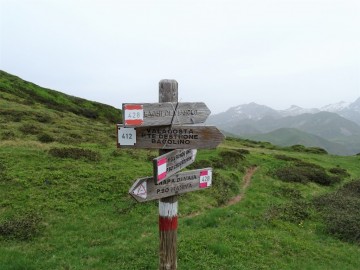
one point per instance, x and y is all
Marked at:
(172, 162)
(170, 137)
(166, 113)
(145, 189)
(161, 126)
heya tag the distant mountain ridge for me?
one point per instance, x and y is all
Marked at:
(335, 123)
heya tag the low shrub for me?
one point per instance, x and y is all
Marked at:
(286, 158)
(339, 171)
(75, 153)
(21, 227)
(287, 192)
(224, 188)
(302, 149)
(303, 172)
(43, 118)
(242, 151)
(296, 211)
(8, 135)
(229, 158)
(3, 174)
(202, 163)
(30, 129)
(340, 211)
(316, 150)
(298, 148)
(45, 138)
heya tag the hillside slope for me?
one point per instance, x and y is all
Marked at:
(292, 136)
(14, 89)
(64, 200)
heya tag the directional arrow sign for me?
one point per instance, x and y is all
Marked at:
(172, 162)
(166, 137)
(145, 189)
(167, 113)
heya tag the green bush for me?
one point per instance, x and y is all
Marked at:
(287, 192)
(286, 158)
(3, 175)
(339, 171)
(242, 151)
(45, 138)
(229, 158)
(296, 211)
(30, 129)
(341, 212)
(21, 227)
(75, 153)
(8, 135)
(303, 172)
(43, 118)
(316, 150)
(13, 115)
(202, 163)
(300, 148)
(290, 174)
(224, 188)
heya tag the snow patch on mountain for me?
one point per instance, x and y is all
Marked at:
(296, 110)
(336, 107)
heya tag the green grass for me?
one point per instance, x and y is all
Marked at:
(64, 203)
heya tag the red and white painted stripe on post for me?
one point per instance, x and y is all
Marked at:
(134, 115)
(168, 218)
(161, 169)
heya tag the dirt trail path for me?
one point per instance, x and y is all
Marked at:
(246, 182)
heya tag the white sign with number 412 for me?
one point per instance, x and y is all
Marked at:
(127, 136)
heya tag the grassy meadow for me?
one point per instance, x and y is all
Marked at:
(64, 200)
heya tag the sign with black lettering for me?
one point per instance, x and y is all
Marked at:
(145, 189)
(171, 137)
(167, 113)
(172, 162)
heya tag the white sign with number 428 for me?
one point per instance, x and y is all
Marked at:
(127, 136)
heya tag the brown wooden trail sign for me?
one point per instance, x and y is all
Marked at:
(145, 189)
(170, 137)
(166, 113)
(161, 126)
(172, 162)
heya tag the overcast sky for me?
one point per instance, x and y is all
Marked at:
(224, 53)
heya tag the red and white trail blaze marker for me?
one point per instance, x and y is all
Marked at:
(172, 162)
(161, 165)
(133, 115)
(205, 178)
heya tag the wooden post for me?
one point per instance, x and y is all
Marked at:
(168, 207)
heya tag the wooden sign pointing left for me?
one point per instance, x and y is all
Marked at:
(166, 113)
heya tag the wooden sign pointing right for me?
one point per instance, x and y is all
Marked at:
(145, 189)
(174, 137)
(172, 162)
(166, 113)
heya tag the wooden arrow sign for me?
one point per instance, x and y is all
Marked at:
(167, 113)
(145, 189)
(172, 162)
(174, 137)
